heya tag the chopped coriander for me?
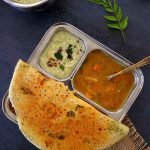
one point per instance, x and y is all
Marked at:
(58, 54)
(62, 67)
(69, 51)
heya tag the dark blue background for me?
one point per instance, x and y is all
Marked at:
(21, 31)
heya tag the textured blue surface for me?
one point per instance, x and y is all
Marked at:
(21, 31)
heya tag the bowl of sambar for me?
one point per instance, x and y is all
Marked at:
(91, 81)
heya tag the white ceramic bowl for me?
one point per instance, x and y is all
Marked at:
(28, 6)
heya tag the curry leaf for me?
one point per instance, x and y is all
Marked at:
(105, 1)
(124, 23)
(108, 9)
(119, 14)
(111, 18)
(99, 2)
(109, 3)
(116, 18)
(114, 26)
(115, 7)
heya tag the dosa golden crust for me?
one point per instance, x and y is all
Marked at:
(52, 118)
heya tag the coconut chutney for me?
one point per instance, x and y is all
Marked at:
(62, 53)
(26, 1)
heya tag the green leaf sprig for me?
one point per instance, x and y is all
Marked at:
(116, 19)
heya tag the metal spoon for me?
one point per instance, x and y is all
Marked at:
(139, 64)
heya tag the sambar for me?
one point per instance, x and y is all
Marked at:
(91, 81)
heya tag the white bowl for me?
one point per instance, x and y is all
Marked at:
(28, 6)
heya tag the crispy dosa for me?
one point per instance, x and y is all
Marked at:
(51, 117)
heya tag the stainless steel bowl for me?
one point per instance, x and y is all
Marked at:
(40, 4)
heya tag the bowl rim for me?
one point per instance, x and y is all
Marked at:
(20, 5)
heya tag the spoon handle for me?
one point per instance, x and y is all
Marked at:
(139, 64)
